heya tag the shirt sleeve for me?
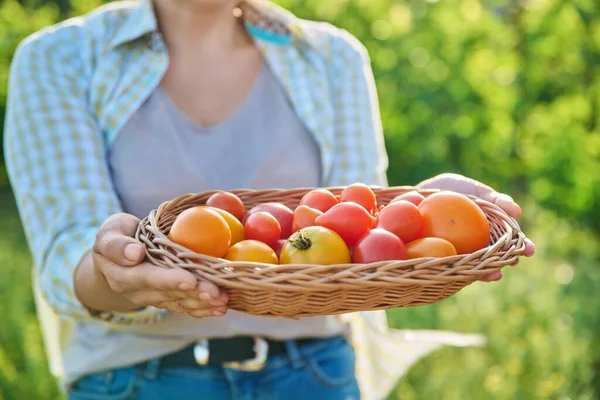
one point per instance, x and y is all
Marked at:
(56, 161)
(359, 154)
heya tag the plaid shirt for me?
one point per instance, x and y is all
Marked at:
(74, 85)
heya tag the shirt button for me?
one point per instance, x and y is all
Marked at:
(156, 42)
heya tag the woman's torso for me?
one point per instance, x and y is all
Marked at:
(161, 153)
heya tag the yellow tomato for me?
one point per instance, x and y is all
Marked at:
(315, 245)
(252, 251)
(236, 227)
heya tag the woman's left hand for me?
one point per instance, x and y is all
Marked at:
(468, 186)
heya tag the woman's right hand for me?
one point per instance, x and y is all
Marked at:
(117, 264)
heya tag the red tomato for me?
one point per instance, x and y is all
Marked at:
(277, 246)
(304, 216)
(228, 202)
(414, 197)
(282, 213)
(360, 193)
(378, 245)
(349, 220)
(403, 219)
(321, 199)
(263, 227)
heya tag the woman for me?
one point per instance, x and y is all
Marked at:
(111, 114)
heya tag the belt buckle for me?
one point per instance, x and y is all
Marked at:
(261, 349)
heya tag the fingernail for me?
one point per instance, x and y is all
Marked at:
(204, 296)
(133, 252)
(218, 313)
(185, 287)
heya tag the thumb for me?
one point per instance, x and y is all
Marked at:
(116, 243)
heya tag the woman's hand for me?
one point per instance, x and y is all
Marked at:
(113, 277)
(468, 186)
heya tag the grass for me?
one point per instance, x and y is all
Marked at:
(542, 322)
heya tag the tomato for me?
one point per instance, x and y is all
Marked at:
(414, 197)
(277, 246)
(202, 230)
(282, 213)
(228, 202)
(304, 216)
(236, 227)
(349, 220)
(321, 199)
(252, 251)
(456, 218)
(403, 219)
(262, 226)
(430, 247)
(315, 245)
(360, 193)
(378, 245)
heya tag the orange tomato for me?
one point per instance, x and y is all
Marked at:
(304, 216)
(456, 218)
(430, 247)
(320, 199)
(361, 194)
(202, 230)
(236, 227)
(228, 202)
(315, 245)
(403, 219)
(252, 251)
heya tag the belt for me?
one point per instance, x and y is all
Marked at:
(245, 353)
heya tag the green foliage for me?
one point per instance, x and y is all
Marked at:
(507, 92)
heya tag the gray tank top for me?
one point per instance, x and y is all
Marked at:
(161, 154)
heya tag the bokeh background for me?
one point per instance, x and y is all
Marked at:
(507, 92)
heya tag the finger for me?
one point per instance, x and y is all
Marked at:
(151, 297)
(214, 312)
(221, 299)
(115, 240)
(529, 248)
(201, 313)
(492, 277)
(194, 304)
(505, 202)
(210, 288)
(146, 276)
(194, 312)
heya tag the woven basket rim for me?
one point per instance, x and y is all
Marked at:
(510, 224)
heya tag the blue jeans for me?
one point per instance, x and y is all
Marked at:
(323, 369)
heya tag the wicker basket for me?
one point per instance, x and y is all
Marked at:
(309, 290)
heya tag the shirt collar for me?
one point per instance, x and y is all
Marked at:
(264, 20)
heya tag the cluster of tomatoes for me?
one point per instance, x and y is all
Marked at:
(326, 229)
